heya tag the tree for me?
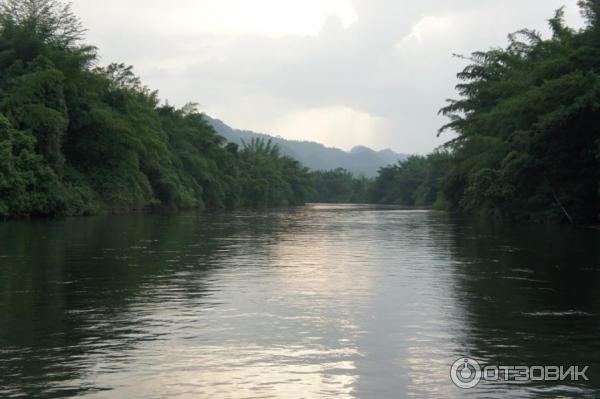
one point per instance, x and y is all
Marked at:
(527, 145)
(26, 182)
(52, 21)
(78, 139)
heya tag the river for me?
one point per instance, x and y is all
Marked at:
(322, 301)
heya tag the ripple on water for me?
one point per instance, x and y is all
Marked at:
(320, 301)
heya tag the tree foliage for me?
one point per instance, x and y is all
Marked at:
(79, 139)
(340, 186)
(50, 21)
(528, 135)
(416, 181)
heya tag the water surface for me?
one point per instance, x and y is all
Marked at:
(315, 302)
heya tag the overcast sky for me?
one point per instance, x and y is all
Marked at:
(340, 72)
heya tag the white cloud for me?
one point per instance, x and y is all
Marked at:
(224, 17)
(429, 26)
(341, 72)
(336, 126)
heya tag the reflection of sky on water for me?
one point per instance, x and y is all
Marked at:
(327, 301)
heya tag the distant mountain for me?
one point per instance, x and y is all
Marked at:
(362, 161)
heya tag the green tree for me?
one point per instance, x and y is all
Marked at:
(79, 139)
(26, 181)
(527, 145)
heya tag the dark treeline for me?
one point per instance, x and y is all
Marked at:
(528, 125)
(414, 182)
(340, 186)
(78, 139)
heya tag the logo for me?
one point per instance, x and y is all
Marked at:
(466, 373)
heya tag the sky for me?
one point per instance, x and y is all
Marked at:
(339, 72)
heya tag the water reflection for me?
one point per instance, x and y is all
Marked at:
(321, 301)
(531, 298)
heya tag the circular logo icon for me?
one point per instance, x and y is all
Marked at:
(466, 373)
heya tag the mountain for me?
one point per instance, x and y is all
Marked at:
(362, 161)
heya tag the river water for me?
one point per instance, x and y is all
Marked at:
(321, 301)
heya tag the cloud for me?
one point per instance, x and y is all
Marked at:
(428, 26)
(341, 72)
(338, 126)
(272, 18)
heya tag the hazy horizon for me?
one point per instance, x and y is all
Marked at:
(342, 72)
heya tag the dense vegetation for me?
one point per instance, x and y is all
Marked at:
(414, 182)
(528, 144)
(78, 139)
(340, 186)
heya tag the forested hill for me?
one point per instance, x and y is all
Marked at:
(80, 139)
(361, 161)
